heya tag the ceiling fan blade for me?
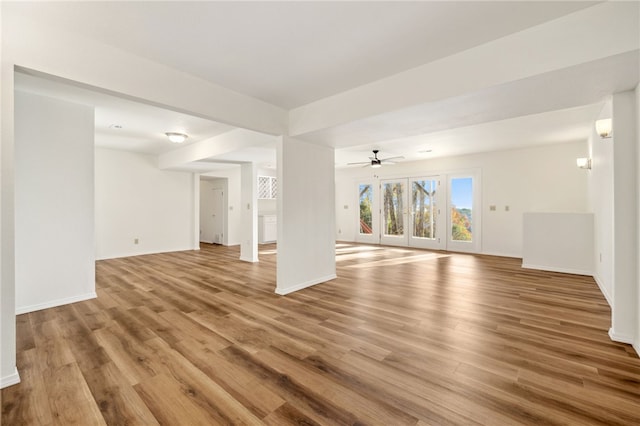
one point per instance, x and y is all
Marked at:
(400, 157)
(358, 163)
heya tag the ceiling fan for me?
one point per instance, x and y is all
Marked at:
(377, 162)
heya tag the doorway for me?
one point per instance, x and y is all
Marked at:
(212, 220)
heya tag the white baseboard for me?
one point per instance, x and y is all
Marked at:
(10, 380)
(248, 259)
(283, 291)
(54, 303)
(622, 338)
(556, 269)
(498, 254)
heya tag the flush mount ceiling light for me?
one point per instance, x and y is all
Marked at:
(603, 127)
(176, 137)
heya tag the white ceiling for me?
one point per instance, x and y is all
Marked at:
(293, 53)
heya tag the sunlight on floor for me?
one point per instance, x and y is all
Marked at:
(400, 261)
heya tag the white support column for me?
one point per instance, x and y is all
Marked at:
(249, 206)
(8, 371)
(636, 343)
(625, 219)
(195, 188)
(306, 215)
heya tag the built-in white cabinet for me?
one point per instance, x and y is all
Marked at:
(267, 228)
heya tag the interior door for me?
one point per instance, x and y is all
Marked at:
(427, 227)
(216, 216)
(394, 212)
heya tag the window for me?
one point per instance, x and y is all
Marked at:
(267, 187)
(462, 209)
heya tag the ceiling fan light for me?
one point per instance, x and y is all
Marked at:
(375, 165)
(176, 137)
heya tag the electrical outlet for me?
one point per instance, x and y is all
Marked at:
(492, 208)
(506, 208)
(135, 241)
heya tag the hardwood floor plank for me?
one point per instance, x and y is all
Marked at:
(118, 402)
(27, 404)
(70, 399)
(402, 336)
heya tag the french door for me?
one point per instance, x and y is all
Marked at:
(368, 217)
(428, 224)
(394, 226)
(438, 212)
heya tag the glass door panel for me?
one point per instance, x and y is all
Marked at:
(367, 227)
(425, 217)
(366, 209)
(394, 212)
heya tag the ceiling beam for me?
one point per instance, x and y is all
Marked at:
(231, 141)
(589, 35)
(67, 55)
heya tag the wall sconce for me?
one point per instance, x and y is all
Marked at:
(584, 163)
(176, 137)
(603, 127)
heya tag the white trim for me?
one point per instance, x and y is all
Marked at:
(146, 253)
(603, 289)
(54, 303)
(283, 291)
(622, 338)
(556, 269)
(493, 253)
(11, 379)
(248, 259)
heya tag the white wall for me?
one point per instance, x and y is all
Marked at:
(54, 202)
(540, 179)
(233, 223)
(561, 242)
(306, 215)
(135, 199)
(600, 194)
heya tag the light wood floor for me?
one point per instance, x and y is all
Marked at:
(401, 337)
